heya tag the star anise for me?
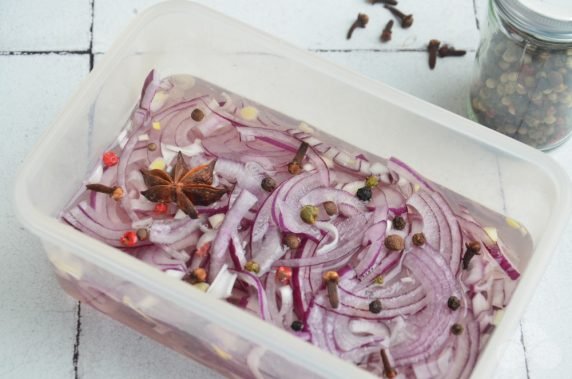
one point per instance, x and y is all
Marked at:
(185, 187)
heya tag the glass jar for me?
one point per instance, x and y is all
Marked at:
(522, 84)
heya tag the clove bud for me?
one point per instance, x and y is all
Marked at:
(116, 193)
(331, 279)
(433, 49)
(386, 34)
(406, 19)
(450, 51)
(360, 22)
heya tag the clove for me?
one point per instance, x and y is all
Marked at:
(433, 49)
(116, 193)
(386, 34)
(473, 248)
(360, 22)
(406, 19)
(387, 2)
(331, 279)
(450, 51)
(387, 369)
(295, 166)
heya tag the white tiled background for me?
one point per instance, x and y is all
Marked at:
(47, 47)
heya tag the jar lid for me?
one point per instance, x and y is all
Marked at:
(546, 20)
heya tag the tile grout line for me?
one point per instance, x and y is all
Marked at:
(90, 49)
(44, 52)
(476, 14)
(75, 358)
(505, 212)
(524, 348)
(402, 50)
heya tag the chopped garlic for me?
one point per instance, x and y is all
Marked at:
(498, 316)
(157, 125)
(416, 187)
(143, 137)
(179, 215)
(157, 164)
(407, 279)
(378, 169)
(249, 113)
(216, 219)
(492, 233)
(305, 128)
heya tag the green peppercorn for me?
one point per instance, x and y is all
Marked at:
(371, 181)
(399, 223)
(309, 214)
(252, 266)
(453, 303)
(379, 280)
(364, 194)
(375, 306)
(297, 325)
(457, 329)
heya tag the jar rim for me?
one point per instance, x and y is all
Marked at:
(540, 25)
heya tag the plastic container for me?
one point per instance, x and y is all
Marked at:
(522, 85)
(182, 37)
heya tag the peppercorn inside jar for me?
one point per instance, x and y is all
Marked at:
(522, 85)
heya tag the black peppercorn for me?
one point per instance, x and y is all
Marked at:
(457, 329)
(297, 325)
(268, 184)
(418, 239)
(453, 303)
(364, 193)
(399, 223)
(375, 306)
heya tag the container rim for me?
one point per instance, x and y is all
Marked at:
(246, 325)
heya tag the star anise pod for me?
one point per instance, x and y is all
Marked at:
(185, 187)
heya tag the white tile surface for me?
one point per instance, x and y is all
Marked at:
(39, 321)
(446, 86)
(320, 24)
(112, 351)
(38, 25)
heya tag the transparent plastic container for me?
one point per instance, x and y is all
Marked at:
(522, 85)
(182, 37)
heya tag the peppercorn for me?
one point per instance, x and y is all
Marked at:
(394, 242)
(283, 274)
(330, 207)
(109, 159)
(457, 329)
(160, 208)
(309, 214)
(399, 223)
(142, 234)
(294, 168)
(453, 303)
(371, 181)
(375, 306)
(129, 239)
(297, 325)
(197, 114)
(152, 146)
(379, 280)
(418, 239)
(198, 275)
(292, 241)
(364, 194)
(252, 266)
(268, 184)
